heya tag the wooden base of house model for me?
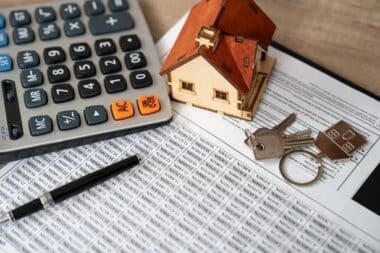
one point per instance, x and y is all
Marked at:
(205, 96)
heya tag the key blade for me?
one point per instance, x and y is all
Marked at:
(285, 123)
(297, 143)
(299, 135)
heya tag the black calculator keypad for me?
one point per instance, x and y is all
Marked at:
(23, 35)
(40, 125)
(62, 93)
(84, 69)
(80, 51)
(94, 7)
(74, 28)
(135, 60)
(20, 18)
(115, 83)
(118, 5)
(140, 79)
(58, 74)
(34, 98)
(28, 59)
(31, 78)
(95, 115)
(68, 120)
(49, 32)
(129, 43)
(89, 88)
(45, 15)
(105, 47)
(54, 55)
(70, 11)
(109, 65)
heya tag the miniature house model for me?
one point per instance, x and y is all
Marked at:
(219, 61)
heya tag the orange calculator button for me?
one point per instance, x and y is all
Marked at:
(148, 104)
(122, 109)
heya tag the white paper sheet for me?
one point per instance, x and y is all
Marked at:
(195, 191)
(319, 101)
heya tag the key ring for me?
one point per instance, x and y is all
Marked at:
(287, 178)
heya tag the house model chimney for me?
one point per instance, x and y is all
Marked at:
(208, 37)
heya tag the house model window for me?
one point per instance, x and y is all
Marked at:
(221, 95)
(188, 86)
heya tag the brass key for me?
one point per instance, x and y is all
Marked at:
(273, 143)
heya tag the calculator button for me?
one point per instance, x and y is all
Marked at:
(49, 32)
(84, 69)
(130, 43)
(19, 18)
(117, 5)
(116, 22)
(68, 120)
(54, 55)
(34, 98)
(58, 74)
(4, 41)
(122, 109)
(45, 15)
(95, 115)
(105, 47)
(62, 93)
(6, 63)
(135, 60)
(115, 83)
(93, 7)
(89, 88)
(27, 59)
(74, 28)
(80, 51)
(2, 21)
(109, 65)
(23, 35)
(31, 78)
(40, 125)
(140, 79)
(69, 11)
(148, 105)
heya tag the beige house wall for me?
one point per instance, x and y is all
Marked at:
(205, 81)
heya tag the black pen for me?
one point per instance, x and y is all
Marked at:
(70, 189)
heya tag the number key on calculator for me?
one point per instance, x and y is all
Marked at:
(75, 72)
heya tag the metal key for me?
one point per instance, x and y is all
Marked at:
(273, 143)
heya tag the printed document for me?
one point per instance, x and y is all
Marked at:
(198, 188)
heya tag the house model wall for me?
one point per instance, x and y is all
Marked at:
(219, 61)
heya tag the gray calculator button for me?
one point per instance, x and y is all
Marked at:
(40, 125)
(27, 59)
(117, 5)
(23, 35)
(35, 98)
(116, 22)
(95, 115)
(68, 120)
(45, 15)
(70, 11)
(94, 7)
(31, 78)
(49, 32)
(74, 28)
(19, 18)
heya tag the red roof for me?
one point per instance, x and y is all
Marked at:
(233, 59)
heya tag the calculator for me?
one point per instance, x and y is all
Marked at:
(76, 72)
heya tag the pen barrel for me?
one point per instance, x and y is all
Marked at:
(84, 183)
(27, 209)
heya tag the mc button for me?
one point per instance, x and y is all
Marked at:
(122, 109)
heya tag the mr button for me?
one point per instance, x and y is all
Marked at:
(122, 109)
(148, 104)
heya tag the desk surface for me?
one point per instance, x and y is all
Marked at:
(342, 36)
